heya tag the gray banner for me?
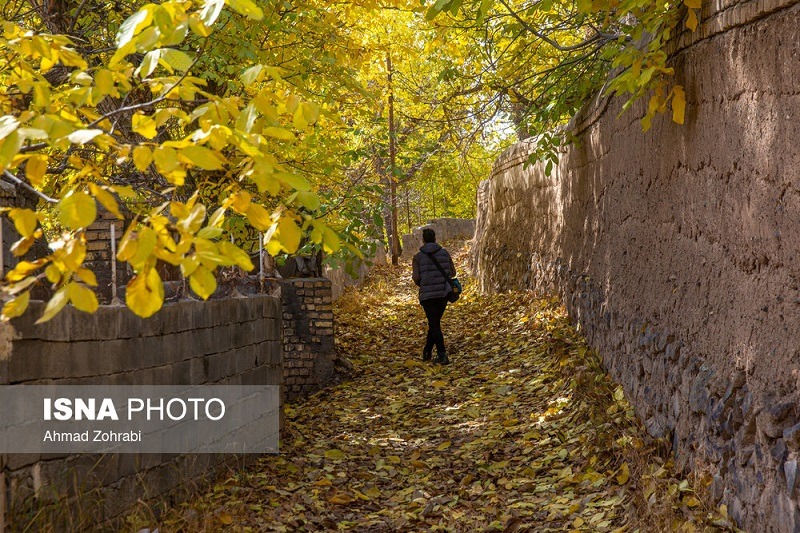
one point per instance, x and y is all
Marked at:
(139, 419)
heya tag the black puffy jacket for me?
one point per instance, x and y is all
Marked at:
(425, 274)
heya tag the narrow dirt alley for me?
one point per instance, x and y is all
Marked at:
(524, 431)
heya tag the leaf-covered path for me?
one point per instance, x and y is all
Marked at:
(523, 431)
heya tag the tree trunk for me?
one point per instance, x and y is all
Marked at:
(395, 238)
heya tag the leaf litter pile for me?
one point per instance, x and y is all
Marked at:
(523, 431)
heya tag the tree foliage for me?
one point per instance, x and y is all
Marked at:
(538, 61)
(214, 121)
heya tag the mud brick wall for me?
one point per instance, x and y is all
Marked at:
(307, 335)
(225, 342)
(677, 251)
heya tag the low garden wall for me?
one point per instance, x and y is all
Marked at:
(235, 341)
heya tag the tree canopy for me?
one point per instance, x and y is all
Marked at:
(214, 122)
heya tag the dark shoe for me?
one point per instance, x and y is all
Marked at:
(441, 358)
(427, 354)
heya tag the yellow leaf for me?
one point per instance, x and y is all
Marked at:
(341, 498)
(241, 201)
(373, 492)
(691, 20)
(82, 297)
(56, 304)
(286, 237)
(85, 275)
(16, 307)
(202, 157)
(144, 294)
(248, 8)
(106, 199)
(310, 111)
(279, 133)
(144, 125)
(78, 210)
(22, 246)
(226, 519)
(36, 168)
(619, 394)
(189, 265)
(142, 157)
(439, 384)
(693, 4)
(203, 282)
(258, 217)
(53, 274)
(83, 136)
(691, 501)
(678, 104)
(336, 455)
(624, 474)
(24, 220)
(236, 254)
(330, 240)
(443, 446)
(104, 81)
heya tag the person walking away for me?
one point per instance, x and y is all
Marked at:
(433, 290)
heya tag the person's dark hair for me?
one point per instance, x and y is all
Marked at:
(428, 235)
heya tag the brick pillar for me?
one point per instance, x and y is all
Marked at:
(98, 252)
(307, 335)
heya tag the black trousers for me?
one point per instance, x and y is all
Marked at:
(434, 309)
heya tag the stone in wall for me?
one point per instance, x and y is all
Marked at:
(676, 251)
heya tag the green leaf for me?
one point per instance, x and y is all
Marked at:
(436, 8)
(309, 200)
(176, 59)
(335, 454)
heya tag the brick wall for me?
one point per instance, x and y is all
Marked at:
(225, 342)
(308, 360)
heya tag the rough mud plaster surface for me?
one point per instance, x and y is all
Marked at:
(678, 253)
